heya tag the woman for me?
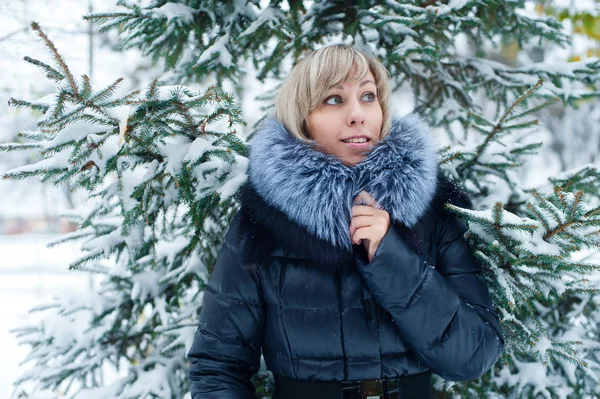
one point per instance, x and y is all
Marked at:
(342, 264)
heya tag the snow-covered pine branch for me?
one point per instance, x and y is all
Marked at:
(161, 167)
(417, 41)
(530, 257)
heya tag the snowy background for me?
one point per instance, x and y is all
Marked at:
(31, 273)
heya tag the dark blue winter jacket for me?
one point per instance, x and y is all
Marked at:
(289, 282)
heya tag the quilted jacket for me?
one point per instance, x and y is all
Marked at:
(288, 282)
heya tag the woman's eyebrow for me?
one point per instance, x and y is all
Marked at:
(364, 82)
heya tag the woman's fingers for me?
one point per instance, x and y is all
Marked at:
(368, 224)
(366, 216)
(369, 233)
(371, 244)
(359, 221)
(360, 234)
(362, 210)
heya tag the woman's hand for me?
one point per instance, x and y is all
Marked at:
(369, 224)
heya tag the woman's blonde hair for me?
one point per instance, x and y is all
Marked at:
(313, 76)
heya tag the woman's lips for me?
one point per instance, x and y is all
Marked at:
(364, 145)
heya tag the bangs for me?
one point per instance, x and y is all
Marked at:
(332, 68)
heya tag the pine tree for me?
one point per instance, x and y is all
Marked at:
(147, 159)
(416, 40)
(530, 257)
(161, 168)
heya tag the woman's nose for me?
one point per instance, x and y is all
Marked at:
(356, 115)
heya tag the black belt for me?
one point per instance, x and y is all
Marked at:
(416, 386)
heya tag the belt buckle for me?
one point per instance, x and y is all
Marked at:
(371, 389)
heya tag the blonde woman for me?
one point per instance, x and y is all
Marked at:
(342, 265)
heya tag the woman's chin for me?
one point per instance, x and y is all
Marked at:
(352, 161)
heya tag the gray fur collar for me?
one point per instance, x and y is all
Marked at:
(315, 189)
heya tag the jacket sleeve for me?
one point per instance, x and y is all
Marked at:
(225, 353)
(448, 319)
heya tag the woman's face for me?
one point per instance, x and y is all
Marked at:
(351, 110)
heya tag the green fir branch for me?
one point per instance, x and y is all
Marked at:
(51, 73)
(13, 102)
(36, 27)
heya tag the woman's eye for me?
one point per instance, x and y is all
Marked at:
(369, 97)
(333, 100)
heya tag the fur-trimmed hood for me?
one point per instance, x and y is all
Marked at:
(315, 189)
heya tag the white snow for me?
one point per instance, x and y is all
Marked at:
(531, 374)
(239, 177)
(30, 274)
(407, 44)
(268, 16)
(176, 149)
(75, 131)
(145, 284)
(217, 48)
(122, 114)
(102, 245)
(59, 160)
(452, 6)
(198, 147)
(542, 345)
(175, 10)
